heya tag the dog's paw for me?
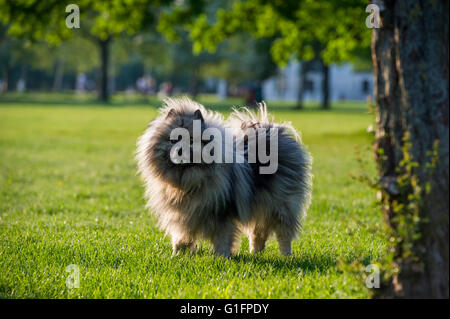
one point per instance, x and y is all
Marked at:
(224, 254)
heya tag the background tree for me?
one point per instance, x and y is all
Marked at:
(239, 58)
(36, 60)
(189, 66)
(410, 56)
(243, 60)
(6, 46)
(294, 28)
(100, 21)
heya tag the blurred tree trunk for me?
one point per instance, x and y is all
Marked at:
(23, 76)
(302, 82)
(194, 85)
(410, 58)
(325, 86)
(104, 56)
(59, 73)
(258, 92)
(4, 87)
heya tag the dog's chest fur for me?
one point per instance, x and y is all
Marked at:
(202, 207)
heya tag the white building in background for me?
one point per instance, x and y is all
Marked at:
(345, 84)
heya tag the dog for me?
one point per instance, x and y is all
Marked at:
(219, 200)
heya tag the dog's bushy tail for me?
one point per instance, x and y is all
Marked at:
(245, 118)
(250, 118)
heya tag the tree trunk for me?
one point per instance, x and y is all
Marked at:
(59, 73)
(325, 86)
(104, 56)
(4, 87)
(301, 88)
(194, 83)
(222, 90)
(258, 92)
(410, 58)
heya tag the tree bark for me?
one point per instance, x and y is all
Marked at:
(104, 56)
(325, 86)
(410, 58)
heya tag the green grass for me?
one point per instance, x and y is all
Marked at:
(69, 194)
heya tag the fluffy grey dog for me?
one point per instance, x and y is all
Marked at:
(216, 201)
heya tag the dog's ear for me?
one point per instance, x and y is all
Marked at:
(198, 115)
(171, 113)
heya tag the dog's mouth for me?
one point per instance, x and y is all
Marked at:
(192, 164)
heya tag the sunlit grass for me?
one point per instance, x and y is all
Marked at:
(69, 194)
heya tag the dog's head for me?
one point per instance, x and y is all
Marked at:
(172, 145)
(182, 138)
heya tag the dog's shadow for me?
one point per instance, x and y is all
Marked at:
(286, 263)
(268, 259)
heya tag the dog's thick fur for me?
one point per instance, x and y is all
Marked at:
(216, 201)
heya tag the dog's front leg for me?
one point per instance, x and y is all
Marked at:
(258, 237)
(224, 238)
(284, 239)
(182, 244)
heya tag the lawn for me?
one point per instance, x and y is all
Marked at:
(69, 194)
